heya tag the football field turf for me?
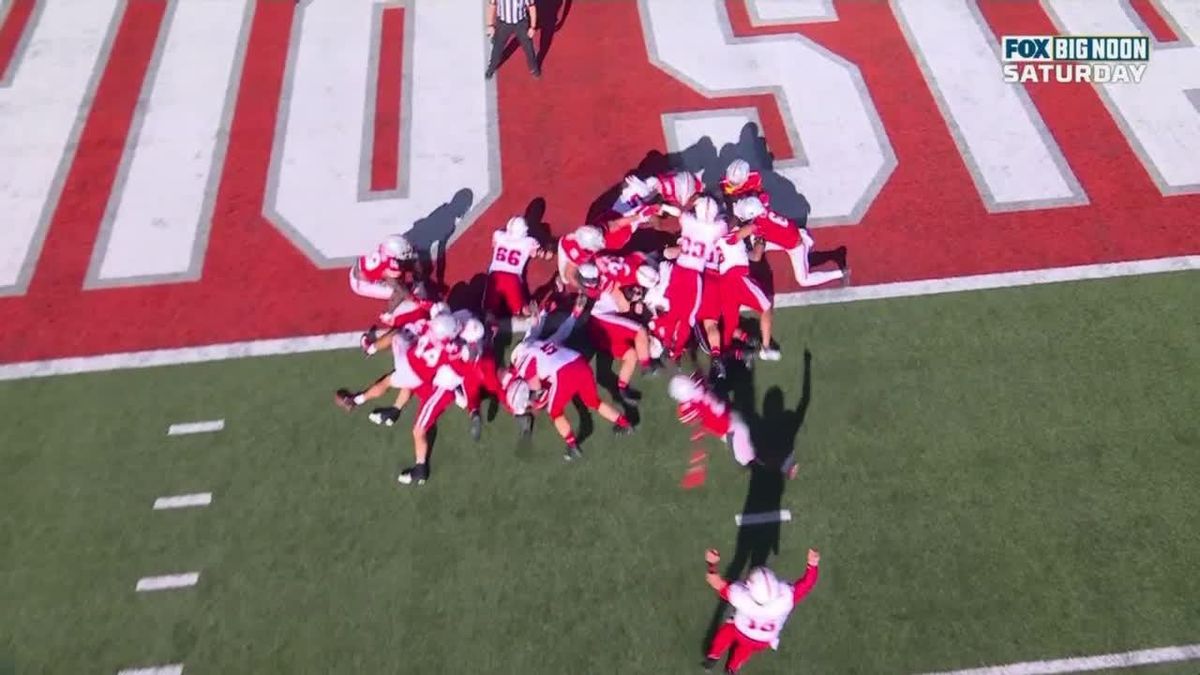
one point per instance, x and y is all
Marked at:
(991, 477)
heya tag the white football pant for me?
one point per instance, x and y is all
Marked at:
(805, 276)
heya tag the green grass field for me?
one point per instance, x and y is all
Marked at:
(991, 477)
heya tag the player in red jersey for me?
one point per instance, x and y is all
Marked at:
(506, 294)
(376, 275)
(558, 375)
(428, 363)
(680, 189)
(741, 181)
(482, 374)
(711, 416)
(761, 606)
(612, 326)
(411, 304)
(575, 249)
(783, 233)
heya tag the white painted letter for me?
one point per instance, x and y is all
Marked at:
(320, 194)
(842, 153)
(157, 222)
(1013, 159)
(38, 112)
(1160, 116)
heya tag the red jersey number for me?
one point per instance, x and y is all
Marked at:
(508, 256)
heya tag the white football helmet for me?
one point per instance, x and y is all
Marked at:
(519, 351)
(762, 585)
(590, 238)
(397, 246)
(437, 309)
(472, 331)
(636, 187)
(748, 208)
(445, 327)
(738, 172)
(707, 209)
(517, 227)
(647, 276)
(589, 275)
(683, 186)
(516, 395)
(683, 389)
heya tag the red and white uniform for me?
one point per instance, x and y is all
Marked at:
(738, 288)
(710, 292)
(713, 416)
(370, 274)
(697, 239)
(667, 188)
(569, 251)
(565, 372)
(407, 312)
(506, 293)
(430, 368)
(755, 627)
(782, 233)
(753, 187)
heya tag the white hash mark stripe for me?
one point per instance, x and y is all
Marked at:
(168, 581)
(318, 343)
(761, 518)
(1086, 663)
(183, 501)
(174, 669)
(195, 427)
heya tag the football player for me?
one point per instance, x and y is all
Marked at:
(482, 374)
(376, 274)
(557, 375)
(739, 289)
(639, 205)
(506, 294)
(611, 328)
(700, 408)
(778, 230)
(761, 605)
(699, 232)
(575, 249)
(429, 364)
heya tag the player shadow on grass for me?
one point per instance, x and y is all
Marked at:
(774, 433)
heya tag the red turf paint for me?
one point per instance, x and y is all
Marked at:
(1153, 18)
(567, 138)
(13, 26)
(385, 158)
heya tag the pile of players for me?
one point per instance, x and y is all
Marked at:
(639, 307)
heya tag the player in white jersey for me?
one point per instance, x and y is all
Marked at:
(698, 235)
(761, 606)
(512, 248)
(740, 289)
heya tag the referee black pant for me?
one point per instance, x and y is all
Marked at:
(504, 31)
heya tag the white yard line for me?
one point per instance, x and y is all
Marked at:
(204, 427)
(1081, 664)
(317, 343)
(761, 518)
(168, 582)
(174, 669)
(183, 501)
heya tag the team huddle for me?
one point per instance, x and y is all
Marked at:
(643, 308)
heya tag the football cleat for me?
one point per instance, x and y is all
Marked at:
(710, 663)
(384, 416)
(476, 426)
(622, 430)
(416, 475)
(652, 369)
(718, 370)
(345, 400)
(629, 396)
(573, 453)
(367, 340)
(525, 424)
(768, 354)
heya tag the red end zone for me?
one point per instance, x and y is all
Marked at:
(566, 139)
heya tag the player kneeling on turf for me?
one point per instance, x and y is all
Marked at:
(711, 416)
(761, 605)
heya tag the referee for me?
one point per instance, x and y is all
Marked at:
(506, 18)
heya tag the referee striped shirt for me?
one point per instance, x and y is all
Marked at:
(512, 11)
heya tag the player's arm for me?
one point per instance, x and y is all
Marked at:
(711, 576)
(623, 304)
(672, 252)
(542, 253)
(804, 584)
(758, 249)
(740, 233)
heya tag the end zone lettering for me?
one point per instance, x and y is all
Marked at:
(1110, 48)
